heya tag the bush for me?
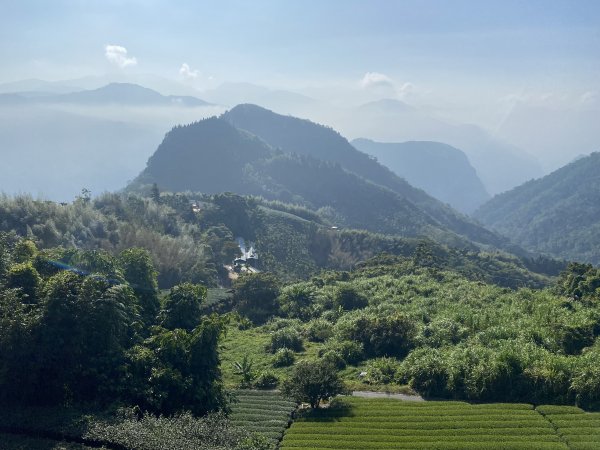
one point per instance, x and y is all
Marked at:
(348, 298)
(351, 352)
(284, 357)
(285, 338)
(334, 358)
(297, 301)
(318, 330)
(381, 335)
(382, 371)
(266, 380)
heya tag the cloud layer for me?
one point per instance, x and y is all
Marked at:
(117, 55)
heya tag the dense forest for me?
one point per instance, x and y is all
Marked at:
(557, 214)
(213, 156)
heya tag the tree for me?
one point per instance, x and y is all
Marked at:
(183, 307)
(25, 277)
(313, 382)
(256, 296)
(138, 271)
(155, 193)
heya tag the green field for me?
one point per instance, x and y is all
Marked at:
(579, 429)
(359, 423)
(265, 412)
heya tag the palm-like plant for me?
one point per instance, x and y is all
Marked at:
(245, 369)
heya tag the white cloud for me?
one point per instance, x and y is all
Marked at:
(376, 79)
(118, 55)
(186, 72)
(383, 85)
(589, 98)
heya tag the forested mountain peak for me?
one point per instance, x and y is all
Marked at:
(558, 214)
(441, 170)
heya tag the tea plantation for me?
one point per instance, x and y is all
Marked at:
(580, 430)
(358, 423)
(264, 412)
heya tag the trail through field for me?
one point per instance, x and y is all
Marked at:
(373, 394)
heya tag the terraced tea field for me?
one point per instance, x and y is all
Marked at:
(264, 412)
(359, 423)
(580, 430)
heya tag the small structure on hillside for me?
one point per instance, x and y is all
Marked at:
(248, 261)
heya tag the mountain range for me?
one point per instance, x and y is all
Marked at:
(499, 164)
(558, 214)
(441, 170)
(111, 94)
(251, 150)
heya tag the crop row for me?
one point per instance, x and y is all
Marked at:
(442, 444)
(402, 439)
(358, 402)
(436, 425)
(366, 431)
(559, 409)
(403, 414)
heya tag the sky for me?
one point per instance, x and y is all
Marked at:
(506, 46)
(470, 61)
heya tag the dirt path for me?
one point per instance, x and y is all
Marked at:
(371, 394)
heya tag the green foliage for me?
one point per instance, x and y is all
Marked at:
(138, 271)
(266, 380)
(318, 330)
(183, 306)
(557, 214)
(382, 371)
(297, 301)
(175, 370)
(350, 352)
(288, 338)
(23, 276)
(380, 335)
(313, 382)
(245, 369)
(283, 357)
(255, 296)
(347, 298)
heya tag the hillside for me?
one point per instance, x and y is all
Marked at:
(500, 165)
(558, 214)
(293, 135)
(441, 170)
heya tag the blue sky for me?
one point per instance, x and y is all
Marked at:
(444, 52)
(295, 40)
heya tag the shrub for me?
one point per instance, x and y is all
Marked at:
(284, 357)
(351, 352)
(348, 298)
(318, 330)
(266, 380)
(382, 371)
(380, 335)
(334, 358)
(297, 301)
(285, 338)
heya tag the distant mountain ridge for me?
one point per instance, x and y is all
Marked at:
(439, 169)
(558, 214)
(113, 93)
(500, 165)
(318, 171)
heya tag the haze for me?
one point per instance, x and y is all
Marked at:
(513, 78)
